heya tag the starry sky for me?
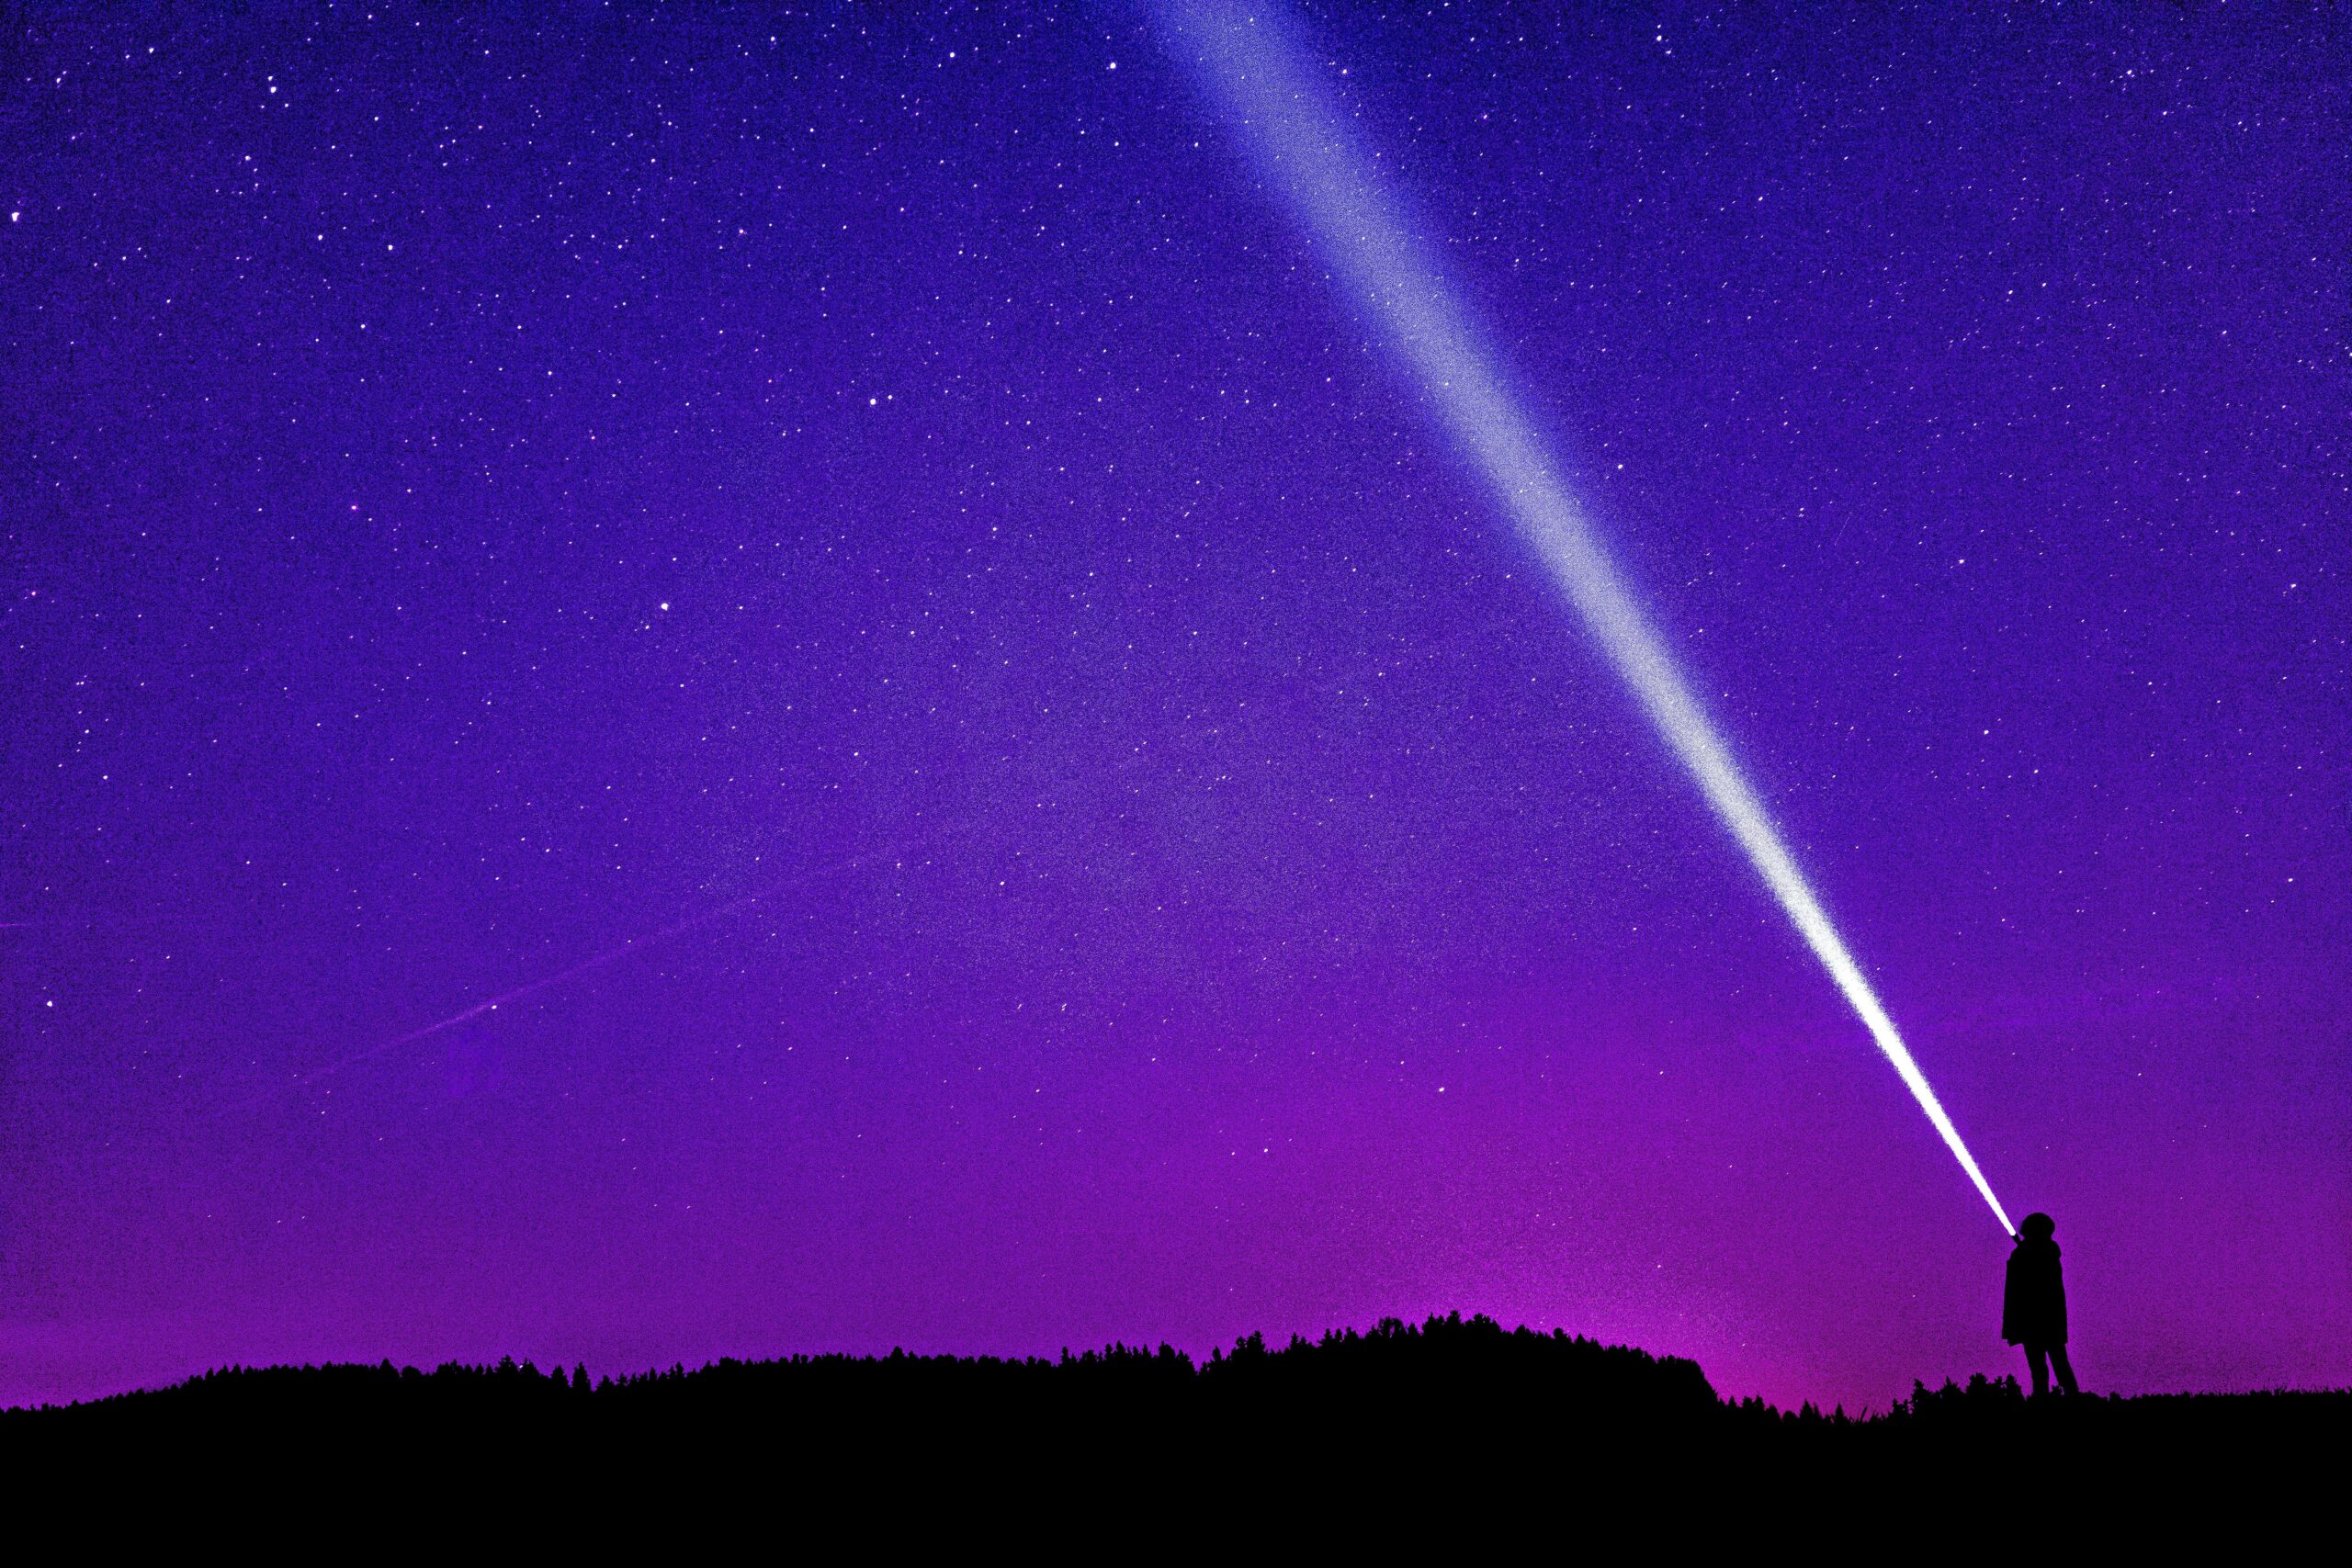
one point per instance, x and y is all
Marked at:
(851, 571)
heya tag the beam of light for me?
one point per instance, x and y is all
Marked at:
(1297, 135)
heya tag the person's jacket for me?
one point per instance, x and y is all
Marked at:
(2033, 1305)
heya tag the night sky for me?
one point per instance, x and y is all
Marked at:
(880, 511)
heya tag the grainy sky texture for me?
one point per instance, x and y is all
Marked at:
(867, 530)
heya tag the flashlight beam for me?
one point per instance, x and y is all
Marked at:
(1297, 135)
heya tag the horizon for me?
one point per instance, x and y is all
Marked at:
(1069, 1356)
(718, 684)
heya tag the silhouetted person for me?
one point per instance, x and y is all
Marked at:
(2033, 1305)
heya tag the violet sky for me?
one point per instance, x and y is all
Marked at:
(488, 486)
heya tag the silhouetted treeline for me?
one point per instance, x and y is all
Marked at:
(1365, 1426)
(1444, 1361)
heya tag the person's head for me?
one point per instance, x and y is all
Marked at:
(2038, 1228)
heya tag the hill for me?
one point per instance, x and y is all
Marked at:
(1357, 1428)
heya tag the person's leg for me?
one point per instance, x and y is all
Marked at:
(2065, 1372)
(2039, 1360)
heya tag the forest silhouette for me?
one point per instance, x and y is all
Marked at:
(1360, 1429)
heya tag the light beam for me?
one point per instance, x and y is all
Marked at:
(1297, 134)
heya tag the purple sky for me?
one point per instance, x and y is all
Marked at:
(483, 491)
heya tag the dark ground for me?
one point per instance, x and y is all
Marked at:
(1451, 1436)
